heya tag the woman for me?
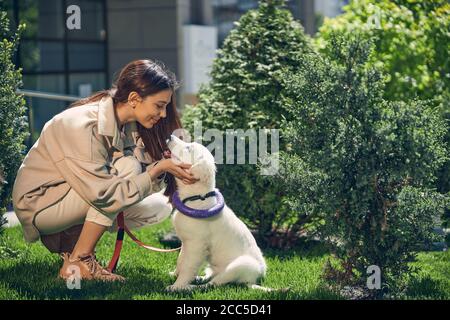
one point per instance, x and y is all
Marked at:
(97, 159)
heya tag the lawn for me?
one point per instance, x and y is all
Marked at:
(32, 273)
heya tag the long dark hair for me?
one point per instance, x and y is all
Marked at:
(147, 78)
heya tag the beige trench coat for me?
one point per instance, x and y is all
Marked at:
(77, 149)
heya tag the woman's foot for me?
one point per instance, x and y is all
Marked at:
(89, 269)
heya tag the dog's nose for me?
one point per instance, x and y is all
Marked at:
(171, 138)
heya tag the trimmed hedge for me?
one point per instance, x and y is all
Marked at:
(13, 122)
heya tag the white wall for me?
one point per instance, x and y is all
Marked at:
(199, 51)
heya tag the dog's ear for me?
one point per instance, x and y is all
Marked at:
(204, 170)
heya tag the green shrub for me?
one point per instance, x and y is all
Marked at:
(411, 40)
(246, 92)
(411, 43)
(13, 124)
(365, 166)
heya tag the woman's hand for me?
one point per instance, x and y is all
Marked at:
(178, 170)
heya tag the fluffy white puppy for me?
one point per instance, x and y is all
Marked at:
(222, 241)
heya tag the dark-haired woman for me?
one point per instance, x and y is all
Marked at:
(100, 157)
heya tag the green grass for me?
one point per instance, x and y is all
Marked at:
(32, 274)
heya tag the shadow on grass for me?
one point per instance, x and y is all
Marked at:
(242, 292)
(426, 287)
(305, 249)
(38, 280)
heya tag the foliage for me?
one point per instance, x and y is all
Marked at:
(13, 125)
(411, 41)
(246, 93)
(412, 47)
(372, 162)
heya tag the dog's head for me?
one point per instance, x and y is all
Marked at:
(195, 154)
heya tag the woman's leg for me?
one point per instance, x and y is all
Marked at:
(72, 212)
(95, 224)
(90, 234)
(72, 209)
(72, 224)
(60, 225)
(151, 210)
(64, 227)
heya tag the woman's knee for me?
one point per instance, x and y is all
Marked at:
(153, 209)
(161, 203)
(158, 206)
(127, 166)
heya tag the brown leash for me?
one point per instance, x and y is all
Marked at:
(119, 241)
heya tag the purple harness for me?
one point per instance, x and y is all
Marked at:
(197, 213)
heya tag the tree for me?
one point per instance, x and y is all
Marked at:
(371, 163)
(411, 41)
(13, 124)
(245, 92)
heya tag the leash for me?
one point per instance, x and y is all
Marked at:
(122, 228)
(178, 204)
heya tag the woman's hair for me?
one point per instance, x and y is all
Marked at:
(147, 78)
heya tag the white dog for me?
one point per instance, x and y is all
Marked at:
(221, 240)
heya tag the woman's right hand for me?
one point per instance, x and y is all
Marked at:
(179, 170)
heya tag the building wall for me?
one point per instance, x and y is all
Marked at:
(115, 32)
(142, 29)
(329, 8)
(153, 29)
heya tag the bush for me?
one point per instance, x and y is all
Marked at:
(245, 92)
(411, 43)
(411, 47)
(13, 124)
(370, 163)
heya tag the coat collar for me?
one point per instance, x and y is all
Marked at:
(108, 126)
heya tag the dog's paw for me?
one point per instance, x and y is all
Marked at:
(202, 279)
(174, 288)
(171, 288)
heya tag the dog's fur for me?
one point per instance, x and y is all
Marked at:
(222, 241)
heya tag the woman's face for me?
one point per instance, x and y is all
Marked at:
(152, 108)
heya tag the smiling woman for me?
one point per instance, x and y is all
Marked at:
(102, 157)
(147, 111)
